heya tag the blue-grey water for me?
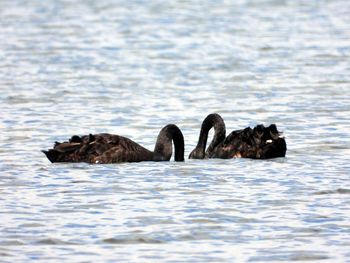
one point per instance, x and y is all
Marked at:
(131, 67)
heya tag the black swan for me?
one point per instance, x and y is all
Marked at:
(110, 148)
(257, 143)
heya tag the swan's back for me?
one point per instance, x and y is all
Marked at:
(257, 143)
(98, 148)
(116, 149)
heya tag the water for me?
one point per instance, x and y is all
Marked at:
(130, 68)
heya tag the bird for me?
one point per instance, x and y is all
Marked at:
(104, 148)
(259, 142)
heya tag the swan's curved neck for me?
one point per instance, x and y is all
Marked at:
(163, 148)
(212, 120)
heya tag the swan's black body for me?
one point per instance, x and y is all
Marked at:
(257, 143)
(110, 148)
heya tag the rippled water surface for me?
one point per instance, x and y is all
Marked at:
(131, 67)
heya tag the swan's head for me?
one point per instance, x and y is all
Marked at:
(160, 158)
(197, 154)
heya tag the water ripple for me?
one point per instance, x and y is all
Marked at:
(130, 68)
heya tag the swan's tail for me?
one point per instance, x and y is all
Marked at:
(52, 155)
(64, 152)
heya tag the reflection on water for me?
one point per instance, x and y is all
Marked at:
(130, 68)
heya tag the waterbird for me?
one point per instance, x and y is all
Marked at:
(110, 148)
(259, 142)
